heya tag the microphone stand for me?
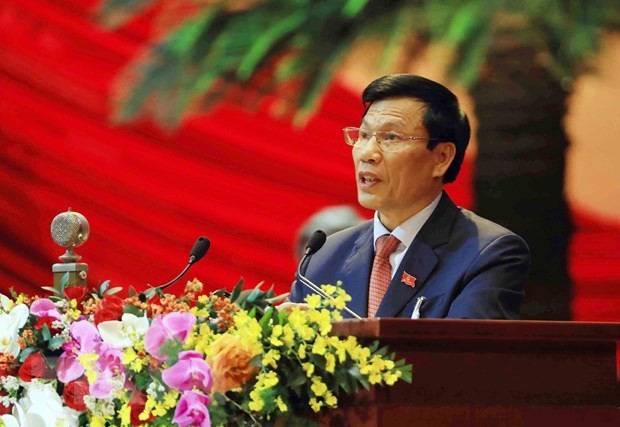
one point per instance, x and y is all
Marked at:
(304, 280)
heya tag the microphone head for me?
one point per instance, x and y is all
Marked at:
(316, 242)
(199, 250)
(69, 229)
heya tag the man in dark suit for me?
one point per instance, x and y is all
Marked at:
(421, 256)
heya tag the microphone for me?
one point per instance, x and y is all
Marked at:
(199, 250)
(316, 242)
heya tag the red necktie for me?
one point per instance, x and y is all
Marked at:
(381, 274)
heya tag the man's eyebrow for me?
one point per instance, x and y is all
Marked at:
(389, 123)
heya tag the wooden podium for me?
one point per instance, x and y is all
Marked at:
(491, 373)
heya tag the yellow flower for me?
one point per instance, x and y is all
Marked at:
(322, 319)
(315, 404)
(230, 359)
(257, 403)
(288, 335)
(97, 421)
(330, 363)
(281, 405)
(88, 361)
(374, 378)
(276, 332)
(305, 332)
(313, 301)
(331, 400)
(329, 289)
(302, 351)
(319, 346)
(125, 414)
(73, 314)
(271, 358)
(318, 386)
(308, 369)
(390, 378)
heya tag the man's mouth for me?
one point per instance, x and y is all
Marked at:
(368, 178)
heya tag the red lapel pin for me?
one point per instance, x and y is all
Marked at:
(408, 279)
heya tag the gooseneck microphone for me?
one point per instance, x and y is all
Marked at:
(316, 242)
(199, 250)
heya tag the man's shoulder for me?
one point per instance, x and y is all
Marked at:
(484, 228)
(349, 236)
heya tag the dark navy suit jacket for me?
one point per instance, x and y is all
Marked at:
(465, 266)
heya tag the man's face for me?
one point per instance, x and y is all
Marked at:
(398, 183)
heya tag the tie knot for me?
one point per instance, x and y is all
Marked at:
(386, 244)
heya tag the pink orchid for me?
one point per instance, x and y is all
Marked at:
(110, 372)
(192, 410)
(84, 339)
(45, 308)
(172, 326)
(191, 371)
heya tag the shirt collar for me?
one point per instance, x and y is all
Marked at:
(406, 231)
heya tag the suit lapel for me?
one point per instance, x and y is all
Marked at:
(357, 269)
(420, 259)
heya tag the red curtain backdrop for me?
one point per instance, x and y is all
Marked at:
(245, 180)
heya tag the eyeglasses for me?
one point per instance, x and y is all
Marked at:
(387, 140)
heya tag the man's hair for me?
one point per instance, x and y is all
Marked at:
(444, 120)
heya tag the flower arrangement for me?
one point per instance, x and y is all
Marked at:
(81, 358)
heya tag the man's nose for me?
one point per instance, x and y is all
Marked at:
(370, 151)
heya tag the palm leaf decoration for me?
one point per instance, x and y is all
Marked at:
(292, 48)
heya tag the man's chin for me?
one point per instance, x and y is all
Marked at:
(368, 201)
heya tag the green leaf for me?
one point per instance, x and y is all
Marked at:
(253, 295)
(353, 7)
(55, 343)
(132, 309)
(64, 280)
(45, 333)
(237, 290)
(104, 287)
(266, 40)
(265, 320)
(114, 290)
(26, 352)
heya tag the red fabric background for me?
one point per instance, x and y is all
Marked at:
(245, 180)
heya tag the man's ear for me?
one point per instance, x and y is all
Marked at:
(444, 153)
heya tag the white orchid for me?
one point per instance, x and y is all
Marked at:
(12, 319)
(41, 406)
(6, 304)
(123, 333)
